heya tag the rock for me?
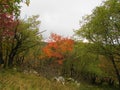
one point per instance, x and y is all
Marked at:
(60, 79)
(25, 72)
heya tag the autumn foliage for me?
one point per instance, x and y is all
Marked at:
(58, 47)
(7, 20)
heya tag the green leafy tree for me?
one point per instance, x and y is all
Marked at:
(12, 6)
(82, 64)
(27, 36)
(102, 30)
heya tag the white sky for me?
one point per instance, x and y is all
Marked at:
(59, 16)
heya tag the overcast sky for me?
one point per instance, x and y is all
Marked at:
(59, 16)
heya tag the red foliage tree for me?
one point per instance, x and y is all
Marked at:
(58, 47)
(9, 12)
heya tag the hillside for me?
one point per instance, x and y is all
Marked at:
(14, 80)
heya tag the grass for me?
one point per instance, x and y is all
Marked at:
(13, 80)
(85, 86)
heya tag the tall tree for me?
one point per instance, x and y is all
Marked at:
(102, 29)
(27, 36)
(9, 12)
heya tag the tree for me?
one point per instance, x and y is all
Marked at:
(82, 64)
(9, 12)
(102, 30)
(58, 47)
(12, 6)
(27, 36)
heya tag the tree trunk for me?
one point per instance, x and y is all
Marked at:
(1, 59)
(11, 58)
(10, 61)
(116, 69)
(12, 54)
(1, 56)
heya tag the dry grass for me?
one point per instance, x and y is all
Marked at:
(13, 80)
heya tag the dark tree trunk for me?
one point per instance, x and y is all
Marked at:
(1, 60)
(10, 61)
(93, 78)
(116, 69)
(13, 53)
(1, 56)
(72, 71)
(11, 57)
